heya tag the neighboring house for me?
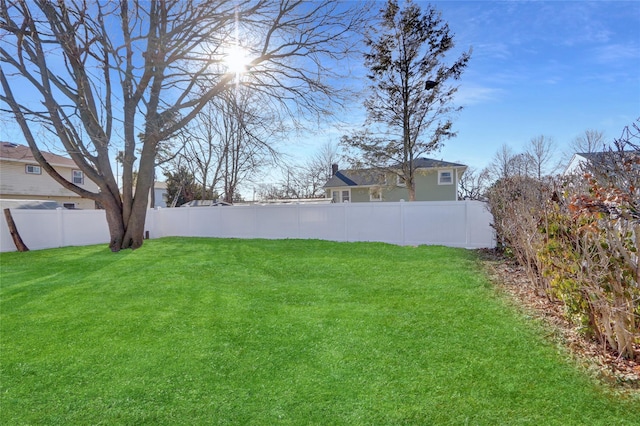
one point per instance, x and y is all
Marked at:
(160, 194)
(21, 178)
(582, 159)
(435, 180)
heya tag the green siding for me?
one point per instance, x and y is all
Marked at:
(427, 189)
(395, 193)
(359, 195)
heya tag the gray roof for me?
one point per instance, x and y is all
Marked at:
(29, 204)
(11, 151)
(355, 178)
(368, 177)
(427, 163)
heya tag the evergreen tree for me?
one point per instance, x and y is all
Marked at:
(410, 107)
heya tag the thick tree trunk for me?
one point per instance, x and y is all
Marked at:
(115, 222)
(128, 235)
(134, 234)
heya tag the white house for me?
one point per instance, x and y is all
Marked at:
(582, 159)
(160, 194)
(22, 178)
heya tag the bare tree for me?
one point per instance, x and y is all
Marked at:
(589, 141)
(505, 163)
(522, 164)
(541, 152)
(230, 139)
(246, 131)
(201, 151)
(501, 165)
(305, 180)
(104, 72)
(318, 169)
(473, 184)
(271, 192)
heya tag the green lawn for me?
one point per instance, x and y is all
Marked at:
(191, 331)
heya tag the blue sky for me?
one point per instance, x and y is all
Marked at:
(543, 68)
(552, 68)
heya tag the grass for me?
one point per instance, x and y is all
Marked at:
(258, 332)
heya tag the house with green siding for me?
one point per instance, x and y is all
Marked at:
(435, 180)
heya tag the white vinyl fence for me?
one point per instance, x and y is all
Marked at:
(451, 223)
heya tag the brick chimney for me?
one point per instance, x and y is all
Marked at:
(334, 169)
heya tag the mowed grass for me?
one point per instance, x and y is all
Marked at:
(189, 331)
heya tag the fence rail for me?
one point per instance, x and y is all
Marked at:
(456, 224)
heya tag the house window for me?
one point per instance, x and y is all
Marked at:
(78, 177)
(445, 177)
(69, 206)
(338, 196)
(400, 181)
(30, 169)
(375, 194)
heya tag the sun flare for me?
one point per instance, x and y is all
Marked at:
(237, 60)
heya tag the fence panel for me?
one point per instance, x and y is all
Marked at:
(233, 222)
(322, 221)
(456, 224)
(276, 221)
(375, 222)
(480, 233)
(42, 229)
(439, 222)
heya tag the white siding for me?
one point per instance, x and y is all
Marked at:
(17, 184)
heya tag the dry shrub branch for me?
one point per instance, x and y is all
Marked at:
(578, 239)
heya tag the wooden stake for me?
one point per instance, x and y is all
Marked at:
(13, 230)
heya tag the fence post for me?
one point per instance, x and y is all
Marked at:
(256, 225)
(61, 239)
(346, 223)
(298, 219)
(467, 228)
(402, 233)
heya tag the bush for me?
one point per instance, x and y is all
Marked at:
(578, 238)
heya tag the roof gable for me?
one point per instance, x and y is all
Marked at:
(601, 158)
(21, 153)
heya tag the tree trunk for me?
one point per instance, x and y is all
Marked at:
(128, 235)
(134, 237)
(115, 222)
(126, 232)
(411, 187)
(134, 234)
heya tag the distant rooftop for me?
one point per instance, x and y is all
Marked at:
(367, 177)
(22, 153)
